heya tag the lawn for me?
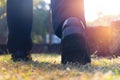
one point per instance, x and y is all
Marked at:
(48, 67)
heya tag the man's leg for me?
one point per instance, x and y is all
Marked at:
(69, 25)
(19, 18)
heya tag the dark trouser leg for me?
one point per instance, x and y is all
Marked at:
(70, 13)
(19, 18)
(63, 9)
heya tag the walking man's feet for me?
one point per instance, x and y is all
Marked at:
(74, 45)
(21, 56)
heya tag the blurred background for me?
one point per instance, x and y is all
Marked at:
(103, 27)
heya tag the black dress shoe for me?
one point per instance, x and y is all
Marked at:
(21, 56)
(74, 45)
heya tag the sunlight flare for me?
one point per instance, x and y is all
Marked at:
(96, 8)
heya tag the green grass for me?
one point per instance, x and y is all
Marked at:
(48, 67)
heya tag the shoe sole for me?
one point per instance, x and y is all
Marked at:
(74, 50)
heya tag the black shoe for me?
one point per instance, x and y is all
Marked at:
(21, 56)
(74, 46)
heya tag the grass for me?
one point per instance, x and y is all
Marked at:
(48, 67)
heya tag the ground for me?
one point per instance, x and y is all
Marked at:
(48, 67)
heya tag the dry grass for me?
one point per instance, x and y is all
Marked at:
(48, 67)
